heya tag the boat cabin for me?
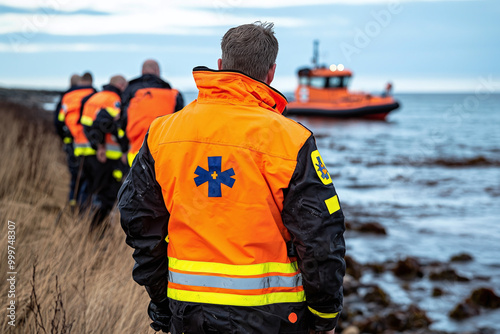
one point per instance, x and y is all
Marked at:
(322, 83)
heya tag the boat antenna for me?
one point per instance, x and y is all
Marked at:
(315, 59)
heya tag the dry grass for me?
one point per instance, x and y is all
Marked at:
(81, 284)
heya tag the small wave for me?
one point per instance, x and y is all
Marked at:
(478, 161)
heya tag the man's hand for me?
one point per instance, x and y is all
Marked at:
(312, 331)
(160, 314)
(101, 154)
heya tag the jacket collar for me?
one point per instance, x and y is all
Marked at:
(111, 88)
(237, 87)
(150, 79)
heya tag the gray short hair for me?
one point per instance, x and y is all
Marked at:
(250, 48)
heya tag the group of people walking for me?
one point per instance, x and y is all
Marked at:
(102, 132)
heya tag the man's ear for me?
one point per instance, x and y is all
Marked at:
(270, 75)
(219, 63)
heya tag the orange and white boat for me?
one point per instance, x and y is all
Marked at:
(323, 91)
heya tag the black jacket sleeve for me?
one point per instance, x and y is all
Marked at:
(61, 128)
(103, 124)
(144, 218)
(179, 103)
(316, 230)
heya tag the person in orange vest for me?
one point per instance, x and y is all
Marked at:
(146, 98)
(105, 168)
(71, 132)
(235, 222)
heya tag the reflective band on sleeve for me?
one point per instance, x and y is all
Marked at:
(240, 283)
(113, 112)
(83, 149)
(235, 300)
(86, 120)
(323, 315)
(332, 204)
(113, 155)
(231, 269)
(118, 175)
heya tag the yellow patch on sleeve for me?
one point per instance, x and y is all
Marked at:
(320, 168)
(332, 204)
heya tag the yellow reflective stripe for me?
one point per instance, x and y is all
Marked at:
(232, 269)
(323, 315)
(332, 204)
(79, 150)
(167, 239)
(131, 157)
(86, 120)
(236, 300)
(61, 116)
(67, 140)
(113, 112)
(113, 155)
(121, 133)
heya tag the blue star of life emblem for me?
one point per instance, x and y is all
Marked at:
(214, 176)
(322, 169)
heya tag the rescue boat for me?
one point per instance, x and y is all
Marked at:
(323, 91)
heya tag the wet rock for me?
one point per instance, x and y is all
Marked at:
(396, 321)
(447, 274)
(378, 296)
(408, 268)
(437, 292)
(351, 330)
(350, 285)
(465, 310)
(485, 297)
(377, 268)
(353, 267)
(462, 257)
(413, 318)
(372, 227)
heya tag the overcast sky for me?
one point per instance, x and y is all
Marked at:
(419, 45)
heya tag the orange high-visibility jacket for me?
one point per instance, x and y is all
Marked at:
(251, 213)
(107, 101)
(145, 99)
(70, 114)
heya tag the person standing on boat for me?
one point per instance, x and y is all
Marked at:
(235, 222)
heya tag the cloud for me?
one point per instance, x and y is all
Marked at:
(100, 47)
(162, 20)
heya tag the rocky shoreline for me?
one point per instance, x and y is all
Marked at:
(369, 309)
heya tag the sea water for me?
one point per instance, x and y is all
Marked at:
(430, 175)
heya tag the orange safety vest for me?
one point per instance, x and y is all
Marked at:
(111, 102)
(146, 105)
(70, 114)
(226, 245)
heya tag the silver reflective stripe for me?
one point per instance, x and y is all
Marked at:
(85, 145)
(236, 283)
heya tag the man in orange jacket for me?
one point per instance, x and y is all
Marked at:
(146, 98)
(106, 167)
(71, 131)
(233, 216)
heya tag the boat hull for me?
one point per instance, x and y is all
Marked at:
(375, 112)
